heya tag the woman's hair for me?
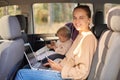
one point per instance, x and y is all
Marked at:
(84, 7)
(64, 31)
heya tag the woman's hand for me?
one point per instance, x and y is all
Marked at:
(54, 66)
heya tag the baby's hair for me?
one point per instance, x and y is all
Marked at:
(65, 31)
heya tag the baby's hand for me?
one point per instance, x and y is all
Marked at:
(48, 45)
(52, 43)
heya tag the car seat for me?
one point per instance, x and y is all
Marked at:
(99, 26)
(23, 26)
(11, 48)
(106, 61)
(74, 32)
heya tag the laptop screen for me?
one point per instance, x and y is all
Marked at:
(30, 53)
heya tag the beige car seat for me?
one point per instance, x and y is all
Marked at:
(106, 61)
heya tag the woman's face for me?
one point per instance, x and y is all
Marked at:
(80, 19)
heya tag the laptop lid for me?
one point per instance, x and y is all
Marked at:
(32, 61)
(29, 54)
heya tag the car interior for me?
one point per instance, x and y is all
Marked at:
(18, 29)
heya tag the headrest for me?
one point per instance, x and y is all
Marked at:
(98, 18)
(113, 18)
(22, 21)
(9, 27)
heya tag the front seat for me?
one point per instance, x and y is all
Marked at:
(23, 26)
(106, 61)
(11, 48)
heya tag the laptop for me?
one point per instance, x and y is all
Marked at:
(32, 61)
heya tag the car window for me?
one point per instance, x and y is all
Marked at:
(10, 10)
(48, 17)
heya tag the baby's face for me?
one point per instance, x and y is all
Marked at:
(62, 38)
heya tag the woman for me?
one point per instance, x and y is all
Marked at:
(76, 64)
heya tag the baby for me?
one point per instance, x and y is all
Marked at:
(60, 47)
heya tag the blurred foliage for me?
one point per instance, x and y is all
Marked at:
(60, 12)
(41, 13)
(10, 10)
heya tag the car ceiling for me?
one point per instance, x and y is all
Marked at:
(19, 2)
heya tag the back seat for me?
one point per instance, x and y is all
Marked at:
(99, 26)
(74, 32)
(106, 61)
(99, 29)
